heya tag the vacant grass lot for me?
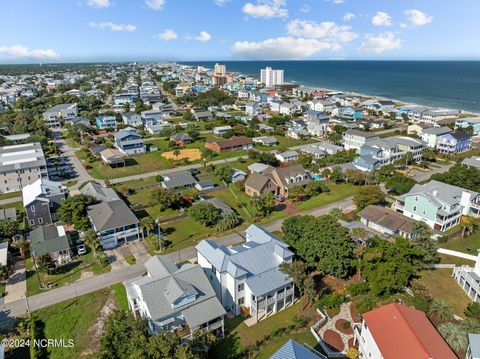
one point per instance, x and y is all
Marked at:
(337, 192)
(71, 320)
(442, 286)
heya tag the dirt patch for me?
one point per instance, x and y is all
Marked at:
(350, 342)
(340, 328)
(333, 340)
(192, 154)
(355, 314)
(96, 330)
(85, 275)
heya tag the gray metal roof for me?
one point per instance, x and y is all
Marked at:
(19, 157)
(110, 215)
(437, 130)
(472, 162)
(48, 239)
(168, 283)
(294, 350)
(268, 281)
(474, 341)
(100, 193)
(178, 179)
(439, 192)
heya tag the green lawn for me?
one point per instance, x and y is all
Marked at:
(304, 336)
(337, 192)
(442, 286)
(120, 296)
(469, 244)
(242, 336)
(64, 275)
(71, 320)
(10, 195)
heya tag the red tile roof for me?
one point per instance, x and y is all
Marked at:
(401, 332)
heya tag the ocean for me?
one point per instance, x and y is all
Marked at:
(446, 84)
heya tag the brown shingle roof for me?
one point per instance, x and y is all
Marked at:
(233, 142)
(388, 218)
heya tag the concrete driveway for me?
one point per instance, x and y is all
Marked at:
(117, 255)
(421, 176)
(17, 284)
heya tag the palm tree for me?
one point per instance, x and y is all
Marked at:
(471, 325)
(454, 336)
(441, 310)
(176, 153)
(147, 224)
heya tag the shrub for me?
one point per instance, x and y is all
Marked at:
(101, 258)
(346, 325)
(332, 301)
(366, 303)
(357, 288)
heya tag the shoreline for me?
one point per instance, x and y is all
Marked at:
(353, 93)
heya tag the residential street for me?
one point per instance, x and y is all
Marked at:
(91, 284)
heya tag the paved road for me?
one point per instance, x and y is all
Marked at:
(91, 284)
(421, 176)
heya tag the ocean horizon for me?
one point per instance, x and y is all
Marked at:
(446, 84)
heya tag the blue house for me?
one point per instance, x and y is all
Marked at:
(455, 142)
(367, 163)
(465, 123)
(350, 113)
(105, 122)
(129, 143)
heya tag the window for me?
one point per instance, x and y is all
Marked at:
(32, 208)
(40, 220)
(32, 222)
(241, 287)
(253, 297)
(415, 208)
(241, 301)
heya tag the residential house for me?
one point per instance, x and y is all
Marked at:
(417, 129)
(252, 109)
(397, 331)
(203, 116)
(237, 175)
(247, 278)
(294, 350)
(151, 115)
(78, 121)
(181, 139)
(469, 277)
(121, 99)
(321, 105)
(265, 140)
(473, 350)
(112, 157)
(129, 143)
(287, 156)
(222, 130)
(21, 165)
(17, 139)
(438, 204)
(276, 180)
(54, 116)
(387, 222)
(182, 89)
(297, 134)
(106, 122)
(384, 106)
(175, 298)
(473, 162)
(454, 142)
(155, 128)
(178, 180)
(218, 203)
(287, 108)
(259, 168)
(432, 135)
(113, 222)
(470, 122)
(321, 149)
(349, 113)
(355, 139)
(41, 201)
(132, 119)
(8, 214)
(205, 185)
(232, 144)
(50, 240)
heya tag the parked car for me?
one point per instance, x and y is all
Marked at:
(279, 198)
(81, 249)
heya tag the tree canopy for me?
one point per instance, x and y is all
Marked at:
(461, 176)
(322, 243)
(399, 184)
(368, 195)
(74, 211)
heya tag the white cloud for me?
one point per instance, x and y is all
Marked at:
(336, 1)
(380, 43)
(220, 2)
(281, 48)
(98, 3)
(203, 36)
(327, 30)
(266, 8)
(305, 8)
(112, 26)
(348, 16)
(155, 4)
(417, 17)
(23, 51)
(168, 35)
(382, 19)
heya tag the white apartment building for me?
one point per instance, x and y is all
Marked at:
(354, 139)
(271, 77)
(247, 278)
(220, 69)
(21, 165)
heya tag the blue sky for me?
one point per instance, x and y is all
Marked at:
(124, 30)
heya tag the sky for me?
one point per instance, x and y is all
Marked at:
(181, 30)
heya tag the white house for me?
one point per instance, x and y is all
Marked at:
(287, 156)
(247, 278)
(433, 135)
